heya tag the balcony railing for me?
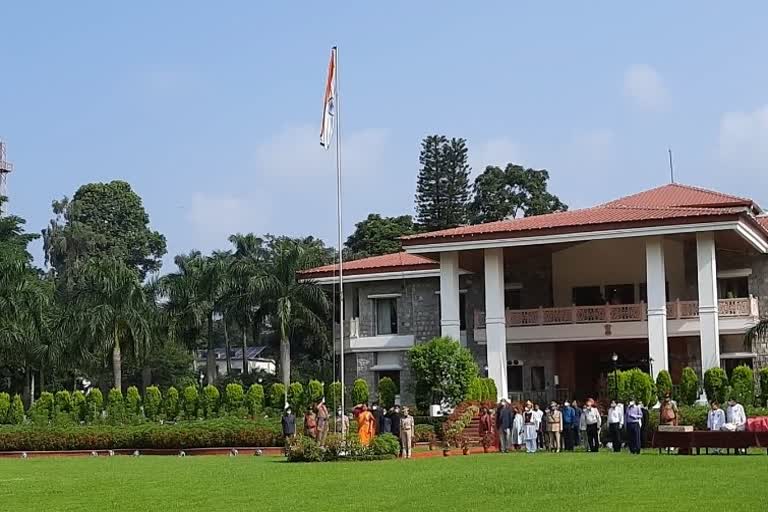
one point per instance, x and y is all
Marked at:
(609, 313)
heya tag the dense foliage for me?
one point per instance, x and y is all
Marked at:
(689, 386)
(360, 392)
(716, 384)
(378, 235)
(743, 385)
(306, 449)
(387, 391)
(442, 189)
(663, 384)
(442, 370)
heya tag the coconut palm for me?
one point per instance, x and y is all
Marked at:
(107, 307)
(758, 332)
(294, 304)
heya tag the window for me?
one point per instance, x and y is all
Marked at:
(462, 311)
(587, 296)
(620, 293)
(730, 364)
(356, 303)
(512, 298)
(385, 316)
(514, 378)
(644, 291)
(732, 288)
(537, 378)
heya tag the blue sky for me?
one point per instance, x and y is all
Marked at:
(211, 110)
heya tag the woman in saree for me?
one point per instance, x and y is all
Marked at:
(365, 426)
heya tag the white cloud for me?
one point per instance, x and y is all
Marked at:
(215, 217)
(295, 151)
(743, 139)
(593, 146)
(644, 86)
(498, 151)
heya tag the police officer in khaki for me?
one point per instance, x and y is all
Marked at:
(554, 420)
(406, 433)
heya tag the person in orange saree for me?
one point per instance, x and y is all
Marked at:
(365, 426)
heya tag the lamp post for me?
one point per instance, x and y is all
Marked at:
(615, 359)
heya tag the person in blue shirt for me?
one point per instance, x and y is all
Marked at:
(569, 416)
(634, 421)
(576, 422)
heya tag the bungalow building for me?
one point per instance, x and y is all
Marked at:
(548, 305)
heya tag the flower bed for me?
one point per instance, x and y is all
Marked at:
(306, 449)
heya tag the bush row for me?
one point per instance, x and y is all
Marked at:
(336, 447)
(199, 434)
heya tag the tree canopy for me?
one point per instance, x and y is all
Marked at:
(442, 189)
(103, 220)
(510, 193)
(378, 235)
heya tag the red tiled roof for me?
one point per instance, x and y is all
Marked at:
(658, 205)
(396, 262)
(763, 221)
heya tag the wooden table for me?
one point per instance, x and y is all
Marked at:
(686, 442)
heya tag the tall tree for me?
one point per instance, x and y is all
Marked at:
(107, 307)
(512, 192)
(378, 235)
(103, 220)
(442, 190)
(294, 304)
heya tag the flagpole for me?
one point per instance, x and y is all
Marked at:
(338, 225)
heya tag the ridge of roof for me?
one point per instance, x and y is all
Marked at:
(393, 260)
(696, 196)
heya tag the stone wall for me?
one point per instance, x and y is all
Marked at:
(758, 287)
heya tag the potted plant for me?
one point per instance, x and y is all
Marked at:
(463, 441)
(450, 440)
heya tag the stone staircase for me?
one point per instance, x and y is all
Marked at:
(472, 432)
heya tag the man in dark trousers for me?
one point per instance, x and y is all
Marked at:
(288, 422)
(378, 415)
(394, 416)
(633, 421)
(505, 426)
(569, 416)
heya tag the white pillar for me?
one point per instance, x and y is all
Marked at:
(658, 346)
(495, 322)
(449, 295)
(709, 329)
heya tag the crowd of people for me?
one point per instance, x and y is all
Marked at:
(371, 422)
(570, 425)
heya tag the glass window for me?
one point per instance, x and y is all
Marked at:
(512, 299)
(587, 296)
(515, 378)
(385, 311)
(356, 303)
(732, 288)
(463, 311)
(620, 293)
(537, 378)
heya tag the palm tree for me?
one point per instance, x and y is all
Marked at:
(107, 306)
(294, 304)
(195, 296)
(244, 302)
(758, 332)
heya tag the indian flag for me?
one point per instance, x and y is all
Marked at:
(329, 103)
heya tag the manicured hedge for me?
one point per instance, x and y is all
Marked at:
(197, 434)
(305, 449)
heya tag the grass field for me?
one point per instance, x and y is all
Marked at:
(484, 482)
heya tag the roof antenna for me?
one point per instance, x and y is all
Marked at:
(671, 167)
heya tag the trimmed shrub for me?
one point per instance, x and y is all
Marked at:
(764, 386)
(190, 402)
(153, 400)
(689, 386)
(235, 399)
(254, 399)
(133, 402)
(5, 406)
(95, 403)
(277, 396)
(360, 392)
(79, 407)
(16, 412)
(663, 384)
(477, 390)
(716, 384)
(296, 396)
(115, 407)
(442, 370)
(63, 401)
(314, 392)
(333, 395)
(41, 411)
(424, 433)
(636, 384)
(387, 391)
(491, 392)
(209, 402)
(743, 385)
(385, 445)
(199, 434)
(171, 406)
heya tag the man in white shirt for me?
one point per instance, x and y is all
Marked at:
(615, 424)
(592, 420)
(715, 419)
(736, 415)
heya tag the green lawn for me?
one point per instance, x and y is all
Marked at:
(482, 482)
